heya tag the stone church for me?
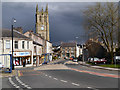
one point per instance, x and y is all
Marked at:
(42, 23)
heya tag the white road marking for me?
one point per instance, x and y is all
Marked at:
(96, 89)
(75, 84)
(10, 80)
(29, 87)
(17, 87)
(92, 88)
(63, 80)
(89, 87)
(22, 83)
(46, 75)
(49, 76)
(55, 78)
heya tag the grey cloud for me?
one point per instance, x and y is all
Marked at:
(65, 18)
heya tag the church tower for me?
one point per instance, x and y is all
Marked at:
(42, 23)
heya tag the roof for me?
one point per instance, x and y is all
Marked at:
(71, 44)
(37, 43)
(16, 34)
(38, 35)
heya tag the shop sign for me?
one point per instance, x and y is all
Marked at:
(21, 53)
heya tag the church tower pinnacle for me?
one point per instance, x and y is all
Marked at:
(36, 8)
(47, 8)
(42, 23)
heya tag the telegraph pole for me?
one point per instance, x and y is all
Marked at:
(118, 25)
(13, 21)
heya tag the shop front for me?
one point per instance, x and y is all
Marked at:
(20, 57)
(46, 58)
(36, 59)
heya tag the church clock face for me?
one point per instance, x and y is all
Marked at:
(42, 27)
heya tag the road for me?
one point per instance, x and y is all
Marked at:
(77, 76)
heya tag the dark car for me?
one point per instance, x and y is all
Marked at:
(71, 58)
(79, 58)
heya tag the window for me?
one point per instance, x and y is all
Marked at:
(7, 44)
(64, 52)
(67, 51)
(16, 44)
(72, 48)
(23, 44)
(34, 49)
(63, 48)
(27, 44)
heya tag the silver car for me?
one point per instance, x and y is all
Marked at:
(75, 60)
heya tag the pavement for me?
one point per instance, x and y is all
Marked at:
(71, 62)
(3, 74)
(52, 67)
(56, 61)
(98, 67)
(82, 63)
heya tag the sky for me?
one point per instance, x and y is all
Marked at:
(65, 18)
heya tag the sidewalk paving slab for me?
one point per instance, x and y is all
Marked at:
(99, 67)
(3, 74)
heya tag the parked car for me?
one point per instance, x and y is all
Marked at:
(65, 58)
(94, 60)
(1, 65)
(103, 60)
(71, 58)
(80, 58)
(117, 59)
(90, 59)
(97, 60)
(75, 60)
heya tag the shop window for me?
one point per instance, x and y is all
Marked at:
(23, 44)
(7, 44)
(27, 44)
(68, 51)
(16, 44)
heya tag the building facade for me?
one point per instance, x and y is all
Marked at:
(42, 23)
(22, 46)
(42, 49)
(69, 50)
(38, 46)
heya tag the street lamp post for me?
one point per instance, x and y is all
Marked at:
(13, 21)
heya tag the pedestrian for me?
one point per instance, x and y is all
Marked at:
(23, 63)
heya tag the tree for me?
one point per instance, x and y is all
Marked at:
(95, 49)
(102, 22)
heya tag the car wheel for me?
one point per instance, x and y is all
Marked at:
(104, 62)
